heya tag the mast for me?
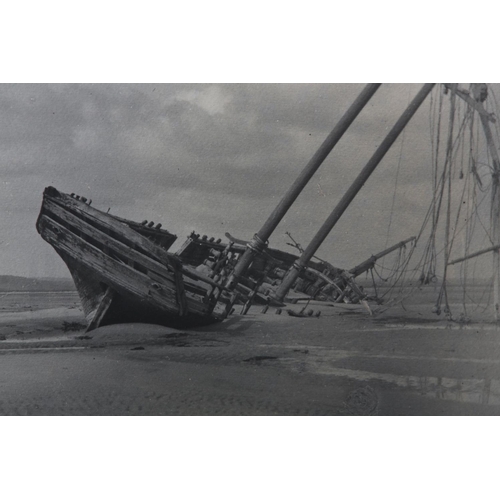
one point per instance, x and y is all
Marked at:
(368, 263)
(474, 254)
(480, 93)
(495, 205)
(259, 240)
(294, 272)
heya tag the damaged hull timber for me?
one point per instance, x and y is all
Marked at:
(122, 270)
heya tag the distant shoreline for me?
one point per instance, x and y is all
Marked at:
(3, 292)
(21, 284)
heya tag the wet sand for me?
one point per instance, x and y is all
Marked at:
(403, 362)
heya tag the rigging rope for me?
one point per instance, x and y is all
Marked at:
(396, 181)
(457, 207)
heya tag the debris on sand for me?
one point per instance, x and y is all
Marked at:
(257, 360)
(73, 326)
(303, 351)
(303, 314)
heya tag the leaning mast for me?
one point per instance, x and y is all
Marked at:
(495, 207)
(259, 241)
(479, 95)
(301, 263)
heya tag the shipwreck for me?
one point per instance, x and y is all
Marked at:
(124, 271)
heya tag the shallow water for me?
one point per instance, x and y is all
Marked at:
(408, 352)
(24, 301)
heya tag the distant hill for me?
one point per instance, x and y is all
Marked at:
(21, 284)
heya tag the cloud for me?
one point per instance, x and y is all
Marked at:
(210, 157)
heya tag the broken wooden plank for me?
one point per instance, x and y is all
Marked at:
(102, 309)
(108, 222)
(195, 275)
(125, 252)
(327, 279)
(102, 235)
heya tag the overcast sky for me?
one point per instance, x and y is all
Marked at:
(207, 157)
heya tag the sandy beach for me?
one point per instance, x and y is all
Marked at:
(341, 363)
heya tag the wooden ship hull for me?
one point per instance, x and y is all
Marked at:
(122, 270)
(318, 281)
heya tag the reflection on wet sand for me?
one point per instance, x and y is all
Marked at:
(477, 391)
(351, 365)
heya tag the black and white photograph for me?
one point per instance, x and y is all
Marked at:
(250, 249)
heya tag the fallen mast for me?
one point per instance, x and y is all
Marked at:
(259, 241)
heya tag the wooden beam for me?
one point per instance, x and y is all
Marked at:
(102, 309)
(475, 254)
(494, 215)
(115, 274)
(154, 261)
(105, 221)
(195, 275)
(325, 278)
(125, 252)
(463, 94)
(369, 263)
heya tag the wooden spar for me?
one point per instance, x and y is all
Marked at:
(369, 263)
(324, 277)
(259, 240)
(495, 193)
(447, 181)
(495, 215)
(475, 254)
(101, 310)
(471, 102)
(294, 272)
(346, 276)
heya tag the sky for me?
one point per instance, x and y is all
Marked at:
(210, 158)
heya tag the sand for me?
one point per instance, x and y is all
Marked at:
(403, 362)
